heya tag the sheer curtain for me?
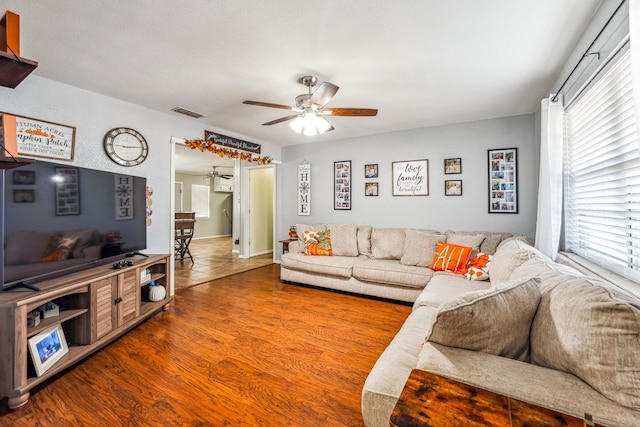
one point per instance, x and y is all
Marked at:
(634, 34)
(550, 184)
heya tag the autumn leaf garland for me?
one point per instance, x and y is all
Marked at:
(203, 145)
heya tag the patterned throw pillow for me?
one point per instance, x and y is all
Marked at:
(478, 267)
(452, 258)
(61, 250)
(317, 243)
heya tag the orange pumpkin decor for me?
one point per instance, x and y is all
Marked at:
(317, 243)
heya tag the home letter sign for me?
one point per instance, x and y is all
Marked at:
(124, 197)
(304, 188)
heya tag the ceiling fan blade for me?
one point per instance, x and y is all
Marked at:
(350, 112)
(323, 94)
(280, 120)
(268, 104)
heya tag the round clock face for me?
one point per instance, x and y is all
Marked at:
(125, 146)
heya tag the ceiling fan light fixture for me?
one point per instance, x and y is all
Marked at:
(297, 124)
(322, 124)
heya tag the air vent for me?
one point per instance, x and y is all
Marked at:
(187, 112)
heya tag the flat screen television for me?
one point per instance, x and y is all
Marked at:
(59, 218)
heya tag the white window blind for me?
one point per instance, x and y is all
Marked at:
(602, 186)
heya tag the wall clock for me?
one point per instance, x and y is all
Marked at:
(125, 146)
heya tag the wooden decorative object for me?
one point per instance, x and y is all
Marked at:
(13, 68)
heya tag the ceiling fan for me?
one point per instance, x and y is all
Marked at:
(213, 173)
(310, 109)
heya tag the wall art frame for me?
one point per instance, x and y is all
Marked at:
(43, 139)
(24, 177)
(371, 170)
(47, 348)
(410, 178)
(453, 166)
(453, 187)
(67, 191)
(371, 189)
(503, 180)
(24, 196)
(342, 185)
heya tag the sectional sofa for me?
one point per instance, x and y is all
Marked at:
(536, 330)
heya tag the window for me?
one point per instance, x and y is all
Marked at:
(602, 173)
(200, 200)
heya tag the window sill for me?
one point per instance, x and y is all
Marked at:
(587, 267)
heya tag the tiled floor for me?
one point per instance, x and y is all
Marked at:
(213, 259)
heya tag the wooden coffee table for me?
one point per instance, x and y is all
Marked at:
(435, 401)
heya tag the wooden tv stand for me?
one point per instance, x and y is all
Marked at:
(96, 306)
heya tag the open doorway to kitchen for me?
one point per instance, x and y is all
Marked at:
(213, 244)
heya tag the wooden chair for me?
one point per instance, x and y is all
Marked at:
(184, 224)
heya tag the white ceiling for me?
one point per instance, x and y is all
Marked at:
(421, 63)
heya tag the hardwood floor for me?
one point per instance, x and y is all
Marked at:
(244, 350)
(213, 259)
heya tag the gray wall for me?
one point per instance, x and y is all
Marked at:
(470, 141)
(217, 223)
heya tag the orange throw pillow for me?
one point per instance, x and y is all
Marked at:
(450, 257)
(478, 267)
(317, 243)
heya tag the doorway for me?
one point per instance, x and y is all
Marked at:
(260, 211)
(222, 254)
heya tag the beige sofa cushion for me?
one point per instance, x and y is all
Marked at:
(329, 265)
(420, 247)
(387, 243)
(510, 255)
(444, 287)
(492, 239)
(364, 240)
(392, 272)
(344, 240)
(465, 239)
(495, 321)
(588, 328)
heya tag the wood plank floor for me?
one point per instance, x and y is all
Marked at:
(213, 259)
(244, 350)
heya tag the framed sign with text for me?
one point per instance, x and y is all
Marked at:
(39, 138)
(304, 188)
(410, 178)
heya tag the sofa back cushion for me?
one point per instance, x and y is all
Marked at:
(490, 243)
(387, 243)
(511, 254)
(364, 240)
(495, 321)
(465, 239)
(587, 328)
(344, 240)
(420, 247)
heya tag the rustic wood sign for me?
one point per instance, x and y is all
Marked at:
(228, 141)
(38, 138)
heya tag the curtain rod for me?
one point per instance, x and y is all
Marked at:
(587, 53)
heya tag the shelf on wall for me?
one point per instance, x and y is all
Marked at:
(13, 70)
(9, 163)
